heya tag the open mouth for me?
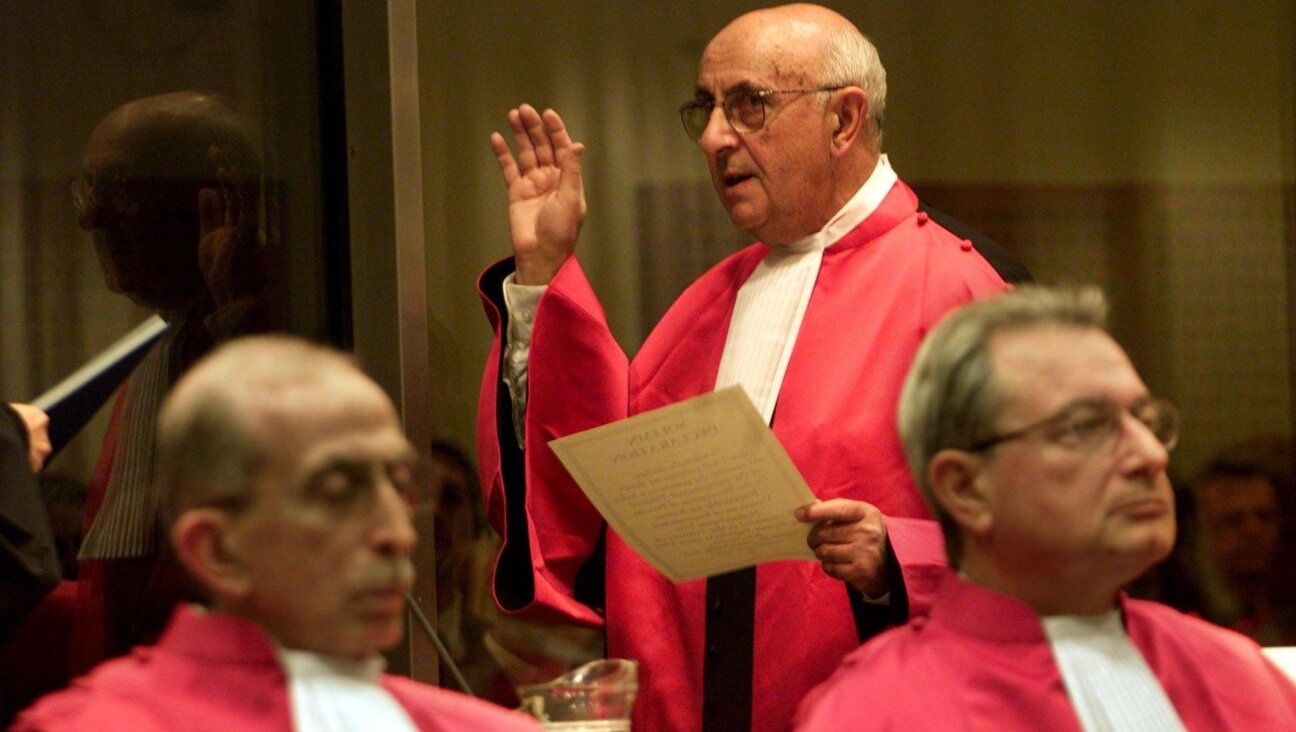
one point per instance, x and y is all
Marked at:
(733, 179)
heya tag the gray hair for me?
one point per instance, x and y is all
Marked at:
(209, 450)
(851, 59)
(950, 398)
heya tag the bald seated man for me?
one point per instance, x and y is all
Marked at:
(287, 487)
(1044, 458)
(818, 323)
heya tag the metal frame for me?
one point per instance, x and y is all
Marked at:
(388, 276)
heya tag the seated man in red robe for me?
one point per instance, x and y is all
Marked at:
(1044, 458)
(286, 485)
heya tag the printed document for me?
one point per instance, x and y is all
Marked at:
(697, 488)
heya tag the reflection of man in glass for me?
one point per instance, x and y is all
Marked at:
(170, 193)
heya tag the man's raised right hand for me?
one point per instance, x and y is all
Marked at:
(545, 193)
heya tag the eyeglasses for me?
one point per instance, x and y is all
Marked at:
(1090, 423)
(744, 109)
(110, 192)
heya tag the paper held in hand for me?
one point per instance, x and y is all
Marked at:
(697, 488)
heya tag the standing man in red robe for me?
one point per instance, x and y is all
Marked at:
(818, 323)
(1044, 458)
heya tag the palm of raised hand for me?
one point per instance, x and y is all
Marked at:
(538, 216)
(545, 194)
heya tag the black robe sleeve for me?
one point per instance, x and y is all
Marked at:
(29, 562)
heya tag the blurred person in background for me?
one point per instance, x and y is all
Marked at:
(1245, 497)
(496, 652)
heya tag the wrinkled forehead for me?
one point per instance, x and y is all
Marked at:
(376, 443)
(763, 55)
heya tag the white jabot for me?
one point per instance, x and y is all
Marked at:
(1110, 684)
(772, 302)
(336, 695)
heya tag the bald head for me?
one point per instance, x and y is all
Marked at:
(785, 34)
(225, 416)
(289, 484)
(810, 45)
(802, 92)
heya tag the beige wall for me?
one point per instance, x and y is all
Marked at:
(1171, 96)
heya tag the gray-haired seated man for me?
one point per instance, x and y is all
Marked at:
(286, 480)
(1044, 457)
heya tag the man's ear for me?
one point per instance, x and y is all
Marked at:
(959, 484)
(849, 110)
(204, 544)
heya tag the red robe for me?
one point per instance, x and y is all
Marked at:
(879, 290)
(982, 662)
(215, 672)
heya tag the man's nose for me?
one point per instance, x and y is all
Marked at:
(1144, 450)
(718, 133)
(393, 531)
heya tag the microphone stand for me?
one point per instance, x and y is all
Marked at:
(442, 651)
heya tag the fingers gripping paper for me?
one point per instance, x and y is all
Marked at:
(697, 488)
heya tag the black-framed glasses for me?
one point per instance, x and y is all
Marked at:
(744, 109)
(1087, 424)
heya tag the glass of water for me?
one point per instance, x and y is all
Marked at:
(596, 697)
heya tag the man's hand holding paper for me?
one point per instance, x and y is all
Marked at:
(849, 539)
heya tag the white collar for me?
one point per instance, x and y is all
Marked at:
(1110, 684)
(330, 694)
